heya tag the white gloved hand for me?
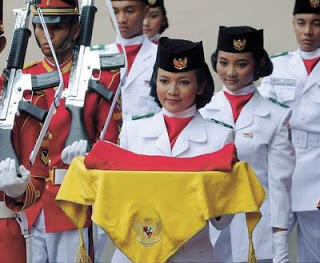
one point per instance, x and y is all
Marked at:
(78, 148)
(280, 247)
(10, 183)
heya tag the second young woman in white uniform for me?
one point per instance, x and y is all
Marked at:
(262, 139)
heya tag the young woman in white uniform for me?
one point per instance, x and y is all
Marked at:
(262, 139)
(156, 21)
(181, 84)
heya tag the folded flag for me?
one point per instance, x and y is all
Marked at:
(140, 210)
(108, 156)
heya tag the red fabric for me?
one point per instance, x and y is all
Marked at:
(108, 156)
(12, 244)
(174, 127)
(237, 103)
(310, 64)
(131, 52)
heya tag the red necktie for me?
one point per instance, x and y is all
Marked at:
(175, 126)
(310, 64)
(131, 52)
(237, 103)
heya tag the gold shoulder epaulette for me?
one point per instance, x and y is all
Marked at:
(142, 116)
(279, 103)
(280, 54)
(220, 123)
(30, 64)
(115, 70)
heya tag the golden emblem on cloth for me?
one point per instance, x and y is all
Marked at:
(147, 226)
(239, 44)
(315, 3)
(152, 2)
(180, 63)
(45, 156)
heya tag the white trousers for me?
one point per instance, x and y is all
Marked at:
(103, 248)
(308, 228)
(61, 247)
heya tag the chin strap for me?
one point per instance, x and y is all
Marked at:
(124, 77)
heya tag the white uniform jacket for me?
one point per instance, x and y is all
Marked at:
(135, 94)
(262, 139)
(290, 84)
(149, 136)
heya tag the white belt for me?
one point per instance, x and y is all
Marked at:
(57, 176)
(5, 212)
(303, 139)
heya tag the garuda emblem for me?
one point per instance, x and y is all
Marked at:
(315, 3)
(152, 2)
(239, 44)
(148, 229)
(180, 63)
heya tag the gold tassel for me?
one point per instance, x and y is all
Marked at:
(82, 255)
(252, 254)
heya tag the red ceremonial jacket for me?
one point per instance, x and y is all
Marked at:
(95, 111)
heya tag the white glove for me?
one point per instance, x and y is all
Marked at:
(78, 148)
(10, 183)
(221, 222)
(280, 247)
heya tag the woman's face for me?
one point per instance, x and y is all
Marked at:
(152, 22)
(236, 70)
(177, 91)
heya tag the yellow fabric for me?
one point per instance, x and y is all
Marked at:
(150, 215)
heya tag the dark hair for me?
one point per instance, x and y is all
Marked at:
(204, 79)
(165, 22)
(263, 67)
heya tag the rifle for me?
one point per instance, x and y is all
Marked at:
(88, 60)
(15, 83)
(12, 101)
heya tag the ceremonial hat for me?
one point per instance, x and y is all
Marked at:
(240, 39)
(307, 7)
(57, 11)
(177, 55)
(155, 3)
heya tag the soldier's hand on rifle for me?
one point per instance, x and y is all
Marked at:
(78, 148)
(11, 183)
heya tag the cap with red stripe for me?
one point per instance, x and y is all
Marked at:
(57, 11)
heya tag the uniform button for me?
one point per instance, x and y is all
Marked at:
(50, 136)
(47, 186)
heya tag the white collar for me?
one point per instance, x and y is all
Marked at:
(190, 112)
(155, 37)
(244, 91)
(309, 55)
(138, 40)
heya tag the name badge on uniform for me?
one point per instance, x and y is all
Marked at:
(283, 82)
(248, 135)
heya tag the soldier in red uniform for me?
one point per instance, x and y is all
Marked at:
(18, 193)
(54, 238)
